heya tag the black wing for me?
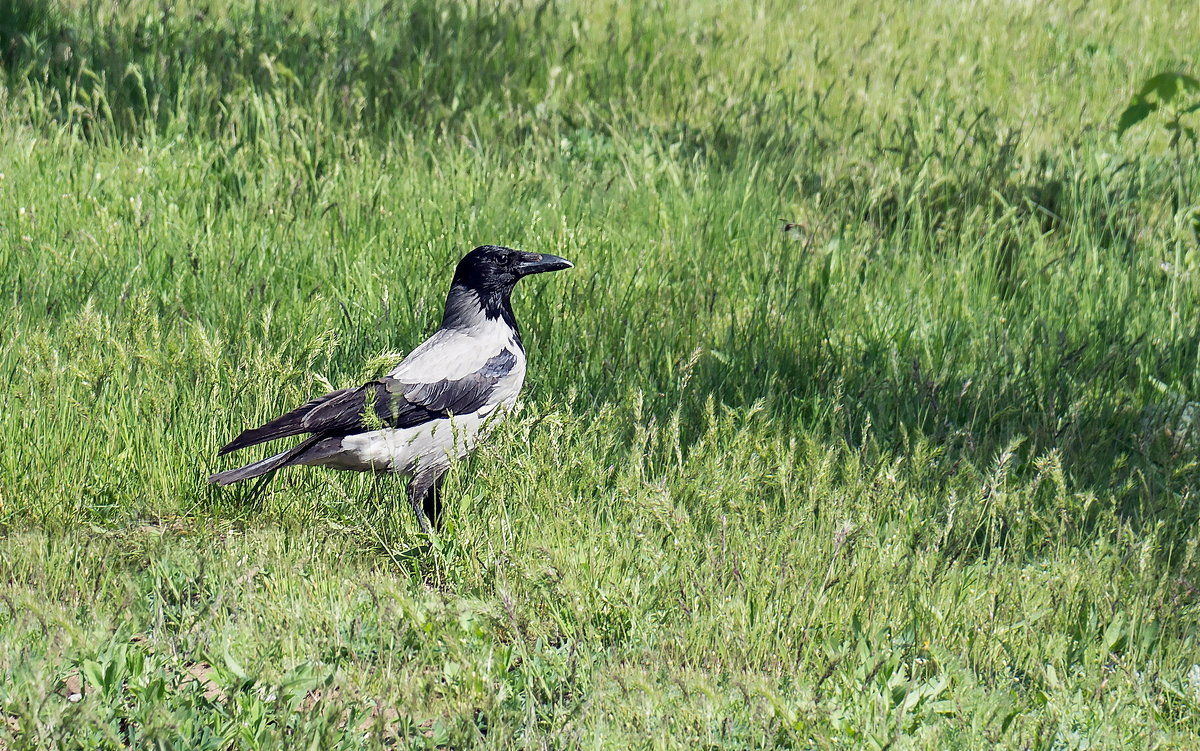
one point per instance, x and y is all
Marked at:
(386, 402)
(465, 395)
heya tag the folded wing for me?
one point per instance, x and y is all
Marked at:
(384, 403)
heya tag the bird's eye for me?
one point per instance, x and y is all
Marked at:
(505, 259)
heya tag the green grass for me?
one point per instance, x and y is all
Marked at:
(920, 474)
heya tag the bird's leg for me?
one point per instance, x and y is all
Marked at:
(432, 503)
(423, 495)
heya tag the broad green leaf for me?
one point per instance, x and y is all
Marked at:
(1136, 112)
(234, 666)
(93, 674)
(1166, 86)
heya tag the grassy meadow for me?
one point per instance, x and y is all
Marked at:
(868, 418)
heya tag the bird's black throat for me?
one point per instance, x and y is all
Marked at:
(467, 307)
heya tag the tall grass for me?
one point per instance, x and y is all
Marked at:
(918, 471)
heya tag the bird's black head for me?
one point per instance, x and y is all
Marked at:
(494, 269)
(484, 281)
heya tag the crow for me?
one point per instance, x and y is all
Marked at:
(433, 407)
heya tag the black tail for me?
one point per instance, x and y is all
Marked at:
(270, 464)
(281, 427)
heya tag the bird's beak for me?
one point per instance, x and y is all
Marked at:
(538, 263)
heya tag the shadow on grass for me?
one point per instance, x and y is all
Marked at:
(415, 64)
(412, 67)
(1053, 394)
